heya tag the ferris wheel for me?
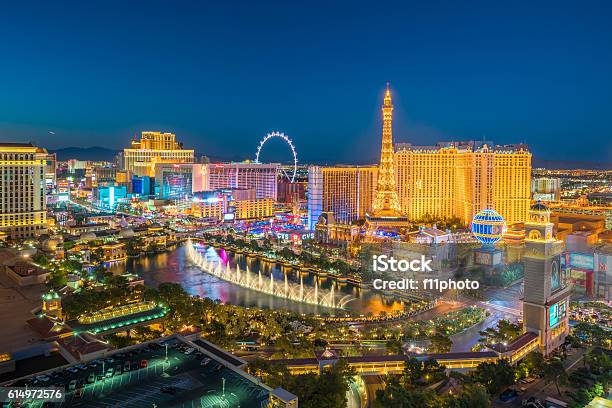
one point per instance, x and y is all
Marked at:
(289, 142)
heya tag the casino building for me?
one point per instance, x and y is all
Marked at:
(22, 190)
(154, 147)
(449, 179)
(458, 179)
(546, 296)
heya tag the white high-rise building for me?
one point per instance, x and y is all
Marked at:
(260, 177)
(22, 190)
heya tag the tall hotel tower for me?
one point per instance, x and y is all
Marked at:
(458, 179)
(22, 190)
(385, 213)
(546, 298)
(345, 191)
(154, 147)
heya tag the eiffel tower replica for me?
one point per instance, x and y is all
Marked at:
(385, 214)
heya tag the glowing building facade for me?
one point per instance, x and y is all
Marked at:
(154, 147)
(546, 189)
(385, 212)
(546, 296)
(174, 181)
(347, 192)
(460, 179)
(261, 177)
(230, 205)
(22, 190)
(450, 179)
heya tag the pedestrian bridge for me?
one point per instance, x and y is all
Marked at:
(394, 364)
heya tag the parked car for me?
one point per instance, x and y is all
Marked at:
(72, 385)
(91, 378)
(110, 372)
(144, 363)
(126, 366)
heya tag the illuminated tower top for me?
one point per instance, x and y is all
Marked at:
(386, 203)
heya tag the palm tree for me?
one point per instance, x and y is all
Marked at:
(554, 371)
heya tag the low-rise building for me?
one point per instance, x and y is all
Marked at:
(114, 252)
(25, 273)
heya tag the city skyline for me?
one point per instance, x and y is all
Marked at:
(195, 78)
(317, 205)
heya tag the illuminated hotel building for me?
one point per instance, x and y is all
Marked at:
(229, 205)
(450, 179)
(546, 189)
(174, 181)
(583, 209)
(51, 173)
(546, 296)
(152, 148)
(460, 179)
(22, 190)
(347, 192)
(260, 177)
(253, 209)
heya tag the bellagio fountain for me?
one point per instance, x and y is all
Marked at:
(260, 283)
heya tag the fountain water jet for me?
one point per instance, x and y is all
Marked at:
(291, 291)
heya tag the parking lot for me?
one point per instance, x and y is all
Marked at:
(144, 378)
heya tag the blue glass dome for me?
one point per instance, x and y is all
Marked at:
(488, 226)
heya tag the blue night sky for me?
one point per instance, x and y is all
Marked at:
(222, 74)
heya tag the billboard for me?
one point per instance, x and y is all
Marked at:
(557, 313)
(584, 261)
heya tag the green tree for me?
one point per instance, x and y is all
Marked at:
(554, 372)
(394, 395)
(413, 371)
(591, 334)
(599, 361)
(494, 376)
(40, 259)
(471, 396)
(505, 332)
(533, 364)
(440, 343)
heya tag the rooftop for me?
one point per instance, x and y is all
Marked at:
(16, 144)
(517, 344)
(121, 322)
(219, 352)
(141, 376)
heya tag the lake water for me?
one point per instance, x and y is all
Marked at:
(174, 266)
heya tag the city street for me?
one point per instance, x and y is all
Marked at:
(540, 390)
(502, 303)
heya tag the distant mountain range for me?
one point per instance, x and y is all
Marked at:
(95, 153)
(98, 153)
